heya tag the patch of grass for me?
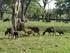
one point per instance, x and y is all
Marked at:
(35, 44)
(37, 23)
(44, 25)
(4, 25)
(42, 44)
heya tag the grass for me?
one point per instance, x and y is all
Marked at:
(36, 23)
(35, 44)
(44, 25)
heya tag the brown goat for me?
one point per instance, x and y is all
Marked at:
(34, 30)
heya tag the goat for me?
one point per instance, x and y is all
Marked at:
(60, 32)
(11, 33)
(34, 30)
(49, 30)
(6, 20)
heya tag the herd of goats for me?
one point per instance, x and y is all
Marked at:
(32, 30)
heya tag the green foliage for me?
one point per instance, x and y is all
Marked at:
(67, 0)
(63, 7)
(34, 8)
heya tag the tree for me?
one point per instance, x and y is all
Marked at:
(20, 8)
(34, 8)
(63, 7)
(45, 2)
(13, 15)
(4, 4)
(1, 9)
(60, 8)
(67, 11)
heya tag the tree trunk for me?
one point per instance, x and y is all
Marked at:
(1, 10)
(19, 15)
(24, 9)
(22, 14)
(1, 15)
(13, 15)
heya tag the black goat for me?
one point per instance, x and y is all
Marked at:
(11, 33)
(6, 20)
(60, 32)
(49, 30)
(8, 31)
(35, 30)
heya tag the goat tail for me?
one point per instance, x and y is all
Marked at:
(6, 33)
(44, 33)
